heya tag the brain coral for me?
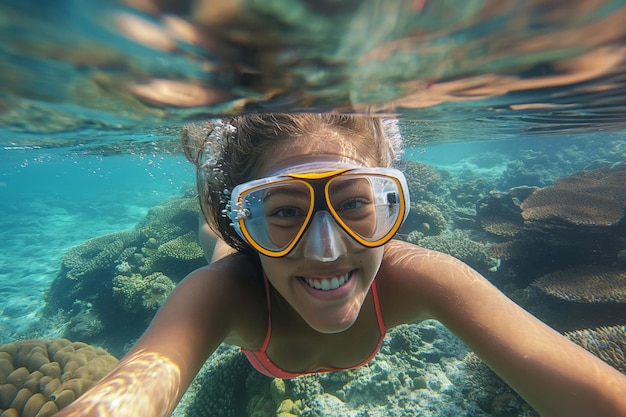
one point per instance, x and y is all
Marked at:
(586, 198)
(589, 284)
(38, 378)
(607, 343)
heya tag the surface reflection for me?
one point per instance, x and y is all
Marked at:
(143, 61)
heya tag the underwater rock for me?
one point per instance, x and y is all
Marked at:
(85, 323)
(39, 378)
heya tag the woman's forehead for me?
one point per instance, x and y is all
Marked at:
(333, 148)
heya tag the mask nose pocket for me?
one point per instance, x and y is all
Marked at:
(324, 240)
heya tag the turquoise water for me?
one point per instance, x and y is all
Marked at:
(52, 201)
(491, 97)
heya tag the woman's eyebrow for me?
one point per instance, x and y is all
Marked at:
(289, 191)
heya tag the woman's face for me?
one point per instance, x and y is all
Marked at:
(326, 286)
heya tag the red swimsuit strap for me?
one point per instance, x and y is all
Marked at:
(265, 365)
(268, 334)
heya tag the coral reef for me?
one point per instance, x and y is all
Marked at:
(459, 244)
(578, 221)
(221, 388)
(607, 343)
(532, 168)
(491, 393)
(468, 193)
(38, 378)
(139, 294)
(589, 284)
(500, 214)
(420, 370)
(425, 218)
(94, 256)
(421, 179)
(125, 277)
(183, 247)
(563, 240)
(595, 198)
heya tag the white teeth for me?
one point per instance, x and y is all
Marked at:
(328, 284)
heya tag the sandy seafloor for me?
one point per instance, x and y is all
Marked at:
(51, 202)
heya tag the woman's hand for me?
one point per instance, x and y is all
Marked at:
(150, 380)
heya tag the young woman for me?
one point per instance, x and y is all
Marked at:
(309, 204)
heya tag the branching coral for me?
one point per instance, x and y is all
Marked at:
(460, 245)
(589, 284)
(139, 294)
(183, 247)
(39, 378)
(95, 255)
(421, 178)
(170, 219)
(425, 218)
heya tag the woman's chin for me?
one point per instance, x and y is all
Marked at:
(331, 324)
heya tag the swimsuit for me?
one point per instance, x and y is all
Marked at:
(259, 359)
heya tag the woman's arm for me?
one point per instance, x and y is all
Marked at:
(555, 376)
(152, 377)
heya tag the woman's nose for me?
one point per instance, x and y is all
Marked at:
(324, 241)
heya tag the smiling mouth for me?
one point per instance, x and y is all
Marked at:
(327, 284)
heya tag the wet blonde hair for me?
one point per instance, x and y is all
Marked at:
(226, 153)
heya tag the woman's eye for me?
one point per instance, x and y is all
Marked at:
(352, 204)
(286, 212)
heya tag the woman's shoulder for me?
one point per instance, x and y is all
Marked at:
(408, 277)
(234, 284)
(407, 258)
(235, 275)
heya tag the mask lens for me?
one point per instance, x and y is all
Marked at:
(367, 205)
(274, 215)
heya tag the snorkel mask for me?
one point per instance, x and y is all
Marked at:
(272, 214)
